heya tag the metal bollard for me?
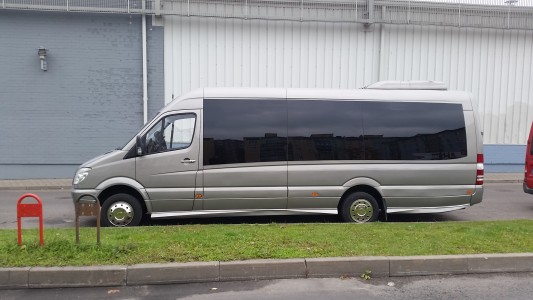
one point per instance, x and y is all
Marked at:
(90, 209)
(30, 210)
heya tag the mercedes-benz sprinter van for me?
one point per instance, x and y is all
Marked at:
(392, 147)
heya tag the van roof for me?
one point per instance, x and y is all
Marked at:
(330, 94)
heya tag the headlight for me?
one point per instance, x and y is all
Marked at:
(80, 175)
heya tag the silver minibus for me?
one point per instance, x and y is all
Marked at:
(392, 147)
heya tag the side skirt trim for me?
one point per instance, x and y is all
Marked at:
(243, 212)
(425, 210)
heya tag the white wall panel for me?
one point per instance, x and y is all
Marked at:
(202, 52)
(493, 64)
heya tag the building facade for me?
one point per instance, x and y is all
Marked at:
(91, 98)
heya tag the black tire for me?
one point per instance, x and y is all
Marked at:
(120, 210)
(146, 219)
(359, 207)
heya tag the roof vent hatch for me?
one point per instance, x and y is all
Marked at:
(408, 85)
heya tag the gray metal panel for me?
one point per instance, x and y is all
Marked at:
(409, 184)
(90, 99)
(246, 186)
(504, 158)
(315, 196)
(156, 65)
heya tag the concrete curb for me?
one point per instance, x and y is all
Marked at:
(348, 266)
(172, 273)
(379, 266)
(55, 277)
(262, 269)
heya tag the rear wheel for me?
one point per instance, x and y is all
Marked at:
(359, 207)
(120, 210)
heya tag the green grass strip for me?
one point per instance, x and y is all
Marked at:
(185, 243)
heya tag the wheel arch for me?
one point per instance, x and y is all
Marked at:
(124, 185)
(124, 189)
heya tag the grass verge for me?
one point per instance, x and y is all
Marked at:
(186, 243)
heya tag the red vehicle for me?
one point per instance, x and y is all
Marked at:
(528, 175)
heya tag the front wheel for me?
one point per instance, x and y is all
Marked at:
(359, 207)
(121, 210)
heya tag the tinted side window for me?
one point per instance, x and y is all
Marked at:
(244, 131)
(325, 130)
(413, 131)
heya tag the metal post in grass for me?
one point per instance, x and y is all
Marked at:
(30, 210)
(87, 209)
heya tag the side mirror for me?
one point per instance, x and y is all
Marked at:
(140, 146)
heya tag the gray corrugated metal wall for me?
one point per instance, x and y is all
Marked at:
(156, 66)
(89, 100)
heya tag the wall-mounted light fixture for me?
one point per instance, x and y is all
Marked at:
(42, 51)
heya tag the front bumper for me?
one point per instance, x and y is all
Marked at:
(85, 196)
(526, 189)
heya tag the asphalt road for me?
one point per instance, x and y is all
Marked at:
(502, 201)
(484, 287)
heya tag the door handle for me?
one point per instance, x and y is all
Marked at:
(188, 161)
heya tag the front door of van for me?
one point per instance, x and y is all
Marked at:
(169, 166)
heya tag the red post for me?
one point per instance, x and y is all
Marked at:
(30, 210)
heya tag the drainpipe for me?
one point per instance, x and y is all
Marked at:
(145, 71)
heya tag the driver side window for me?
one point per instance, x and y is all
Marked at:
(171, 133)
